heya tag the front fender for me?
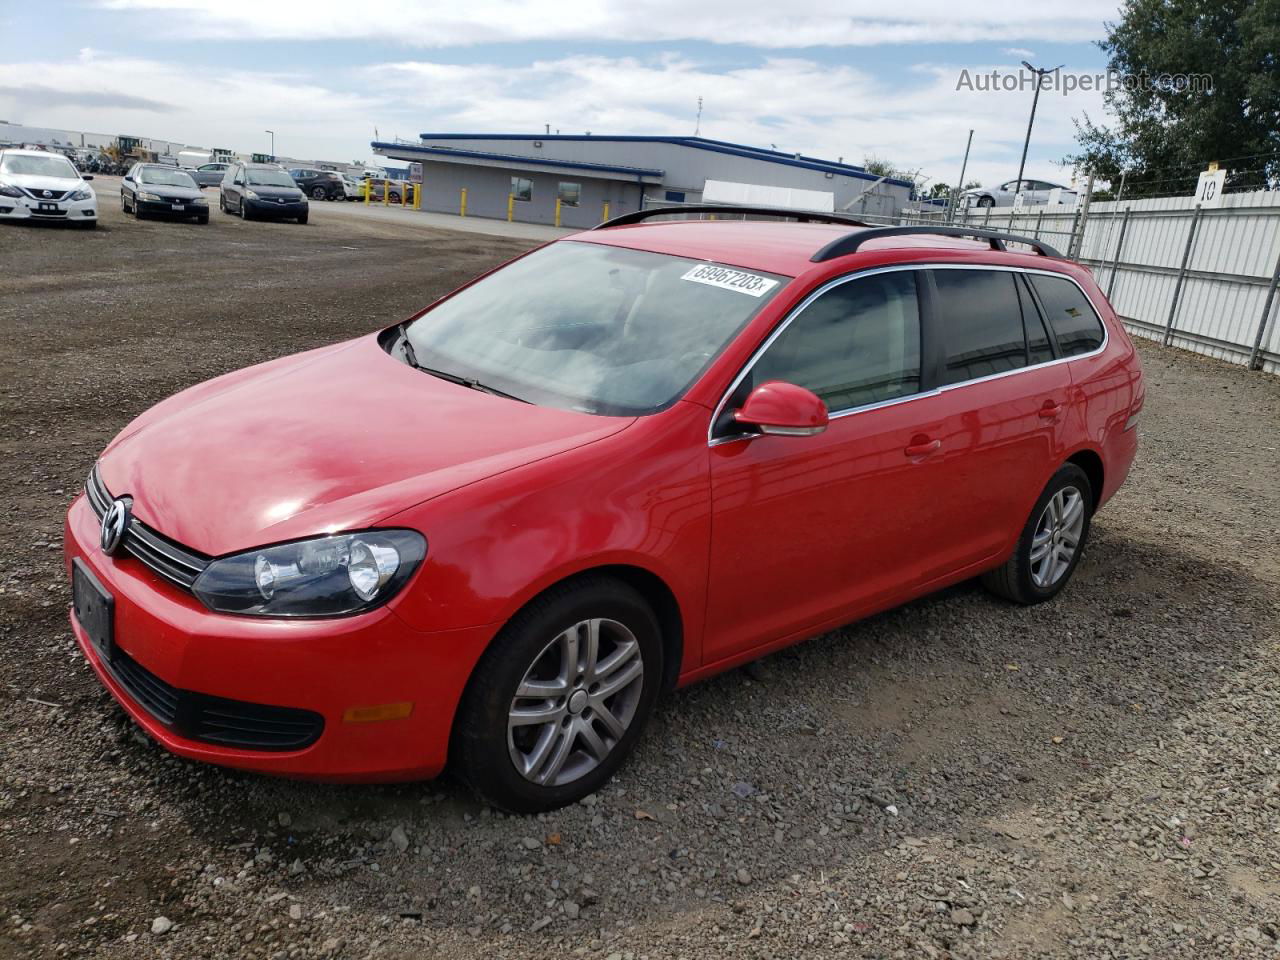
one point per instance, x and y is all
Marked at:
(639, 498)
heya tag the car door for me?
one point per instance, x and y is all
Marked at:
(806, 530)
(1004, 405)
(127, 192)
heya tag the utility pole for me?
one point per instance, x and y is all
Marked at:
(1040, 74)
(958, 192)
(273, 142)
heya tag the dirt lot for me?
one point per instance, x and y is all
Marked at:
(1096, 777)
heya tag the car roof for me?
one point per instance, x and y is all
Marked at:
(783, 247)
(32, 153)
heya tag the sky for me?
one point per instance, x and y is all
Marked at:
(828, 78)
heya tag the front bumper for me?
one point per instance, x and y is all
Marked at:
(25, 208)
(326, 667)
(165, 208)
(272, 208)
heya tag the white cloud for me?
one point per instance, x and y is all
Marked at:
(805, 23)
(1018, 52)
(796, 103)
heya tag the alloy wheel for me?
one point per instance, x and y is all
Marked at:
(1057, 537)
(575, 702)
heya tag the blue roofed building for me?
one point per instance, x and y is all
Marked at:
(528, 173)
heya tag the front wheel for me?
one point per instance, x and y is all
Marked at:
(560, 697)
(303, 218)
(986, 201)
(1051, 543)
(244, 209)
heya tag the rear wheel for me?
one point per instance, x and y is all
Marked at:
(560, 697)
(317, 193)
(1051, 543)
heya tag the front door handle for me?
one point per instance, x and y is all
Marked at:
(922, 447)
(1050, 409)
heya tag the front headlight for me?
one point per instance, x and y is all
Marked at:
(150, 197)
(249, 194)
(325, 577)
(8, 190)
(83, 194)
(198, 202)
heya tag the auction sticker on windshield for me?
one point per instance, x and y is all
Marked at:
(752, 284)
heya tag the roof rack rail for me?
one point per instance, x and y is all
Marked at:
(804, 216)
(843, 246)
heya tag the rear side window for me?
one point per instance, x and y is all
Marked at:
(856, 344)
(981, 315)
(1071, 316)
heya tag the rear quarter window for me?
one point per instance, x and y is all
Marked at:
(1071, 316)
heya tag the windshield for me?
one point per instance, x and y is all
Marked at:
(590, 327)
(162, 176)
(49, 166)
(269, 178)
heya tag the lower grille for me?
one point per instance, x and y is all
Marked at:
(216, 720)
(52, 214)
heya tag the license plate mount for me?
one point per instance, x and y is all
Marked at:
(94, 608)
(44, 207)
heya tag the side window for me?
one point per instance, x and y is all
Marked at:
(1038, 347)
(856, 344)
(522, 188)
(981, 321)
(1071, 316)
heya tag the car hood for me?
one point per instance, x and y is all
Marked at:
(170, 192)
(334, 439)
(29, 182)
(290, 193)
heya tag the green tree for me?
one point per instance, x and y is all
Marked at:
(1165, 132)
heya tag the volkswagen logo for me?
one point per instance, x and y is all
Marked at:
(114, 523)
(46, 193)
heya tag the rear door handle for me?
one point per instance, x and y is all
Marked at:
(922, 447)
(1050, 409)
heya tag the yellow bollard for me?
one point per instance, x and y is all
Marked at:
(386, 192)
(462, 206)
(366, 188)
(417, 196)
(557, 211)
(606, 212)
(511, 207)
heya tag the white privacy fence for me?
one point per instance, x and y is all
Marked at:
(1202, 279)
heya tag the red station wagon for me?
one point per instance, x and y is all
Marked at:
(630, 459)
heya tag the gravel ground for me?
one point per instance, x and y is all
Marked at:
(1095, 777)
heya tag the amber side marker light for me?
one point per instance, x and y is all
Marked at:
(385, 711)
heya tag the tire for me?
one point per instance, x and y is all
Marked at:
(317, 193)
(1026, 582)
(303, 218)
(986, 201)
(533, 648)
(222, 203)
(244, 209)
(204, 219)
(86, 224)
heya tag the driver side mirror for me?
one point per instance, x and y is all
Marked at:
(237, 182)
(783, 409)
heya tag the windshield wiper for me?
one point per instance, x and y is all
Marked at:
(407, 344)
(469, 382)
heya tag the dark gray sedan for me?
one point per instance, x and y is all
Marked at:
(153, 189)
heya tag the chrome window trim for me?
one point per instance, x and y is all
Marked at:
(713, 441)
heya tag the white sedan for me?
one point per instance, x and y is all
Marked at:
(1034, 192)
(35, 185)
